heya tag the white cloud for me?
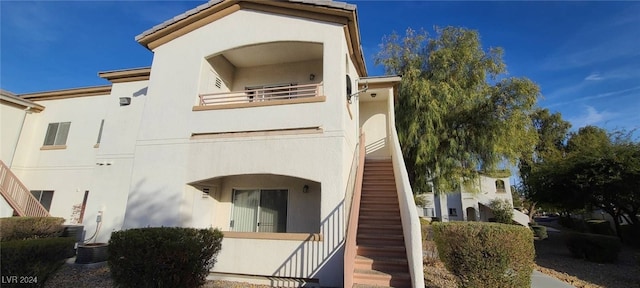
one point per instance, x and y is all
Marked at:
(591, 116)
(594, 77)
(617, 93)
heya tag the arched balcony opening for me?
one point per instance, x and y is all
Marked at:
(251, 204)
(286, 71)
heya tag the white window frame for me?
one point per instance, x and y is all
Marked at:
(60, 136)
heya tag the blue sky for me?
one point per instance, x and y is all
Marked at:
(584, 55)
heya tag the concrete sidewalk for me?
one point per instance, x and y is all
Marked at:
(541, 280)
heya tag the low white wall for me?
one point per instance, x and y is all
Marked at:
(409, 216)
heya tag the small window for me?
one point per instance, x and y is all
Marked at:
(100, 132)
(500, 187)
(57, 134)
(428, 212)
(453, 212)
(44, 197)
(259, 211)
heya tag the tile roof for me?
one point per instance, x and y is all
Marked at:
(323, 3)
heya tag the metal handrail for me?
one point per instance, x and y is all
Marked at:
(262, 94)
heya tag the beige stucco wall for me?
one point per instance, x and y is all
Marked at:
(11, 119)
(111, 182)
(373, 118)
(68, 172)
(166, 159)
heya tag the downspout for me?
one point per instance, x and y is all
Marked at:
(15, 147)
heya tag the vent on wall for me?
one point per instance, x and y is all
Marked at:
(124, 101)
(218, 82)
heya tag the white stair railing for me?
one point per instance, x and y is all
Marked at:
(18, 196)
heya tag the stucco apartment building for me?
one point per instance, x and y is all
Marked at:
(250, 120)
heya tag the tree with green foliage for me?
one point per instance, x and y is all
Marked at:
(551, 136)
(457, 112)
(596, 169)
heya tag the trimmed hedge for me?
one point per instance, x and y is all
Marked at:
(163, 257)
(33, 259)
(602, 227)
(539, 231)
(486, 254)
(21, 228)
(593, 247)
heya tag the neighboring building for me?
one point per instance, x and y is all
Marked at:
(248, 120)
(471, 204)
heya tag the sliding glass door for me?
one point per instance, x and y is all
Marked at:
(259, 210)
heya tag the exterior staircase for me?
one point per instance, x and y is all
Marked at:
(17, 195)
(518, 217)
(381, 257)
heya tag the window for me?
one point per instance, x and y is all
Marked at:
(100, 132)
(44, 197)
(453, 212)
(57, 134)
(428, 212)
(500, 187)
(259, 211)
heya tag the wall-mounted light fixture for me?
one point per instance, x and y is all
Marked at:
(305, 189)
(312, 76)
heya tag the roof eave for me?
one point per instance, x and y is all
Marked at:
(68, 93)
(126, 75)
(22, 103)
(204, 14)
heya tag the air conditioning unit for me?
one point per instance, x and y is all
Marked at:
(124, 101)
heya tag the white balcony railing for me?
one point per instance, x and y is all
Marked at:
(272, 93)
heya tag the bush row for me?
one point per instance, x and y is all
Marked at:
(593, 247)
(21, 228)
(486, 254)
(163, 257)
(34, 259)
(539, 231)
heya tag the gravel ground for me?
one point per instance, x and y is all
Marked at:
(79, 276)
(553, 258)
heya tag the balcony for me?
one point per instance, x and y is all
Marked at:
(264, 74)
(263, 96)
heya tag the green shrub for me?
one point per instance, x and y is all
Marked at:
(539, 231)
(602, 227)
(20, 228)
(34, 259)
(163, 257)
(486, 254)
(429, 248)
(593, 247)
(502, 211)
(573, 224)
